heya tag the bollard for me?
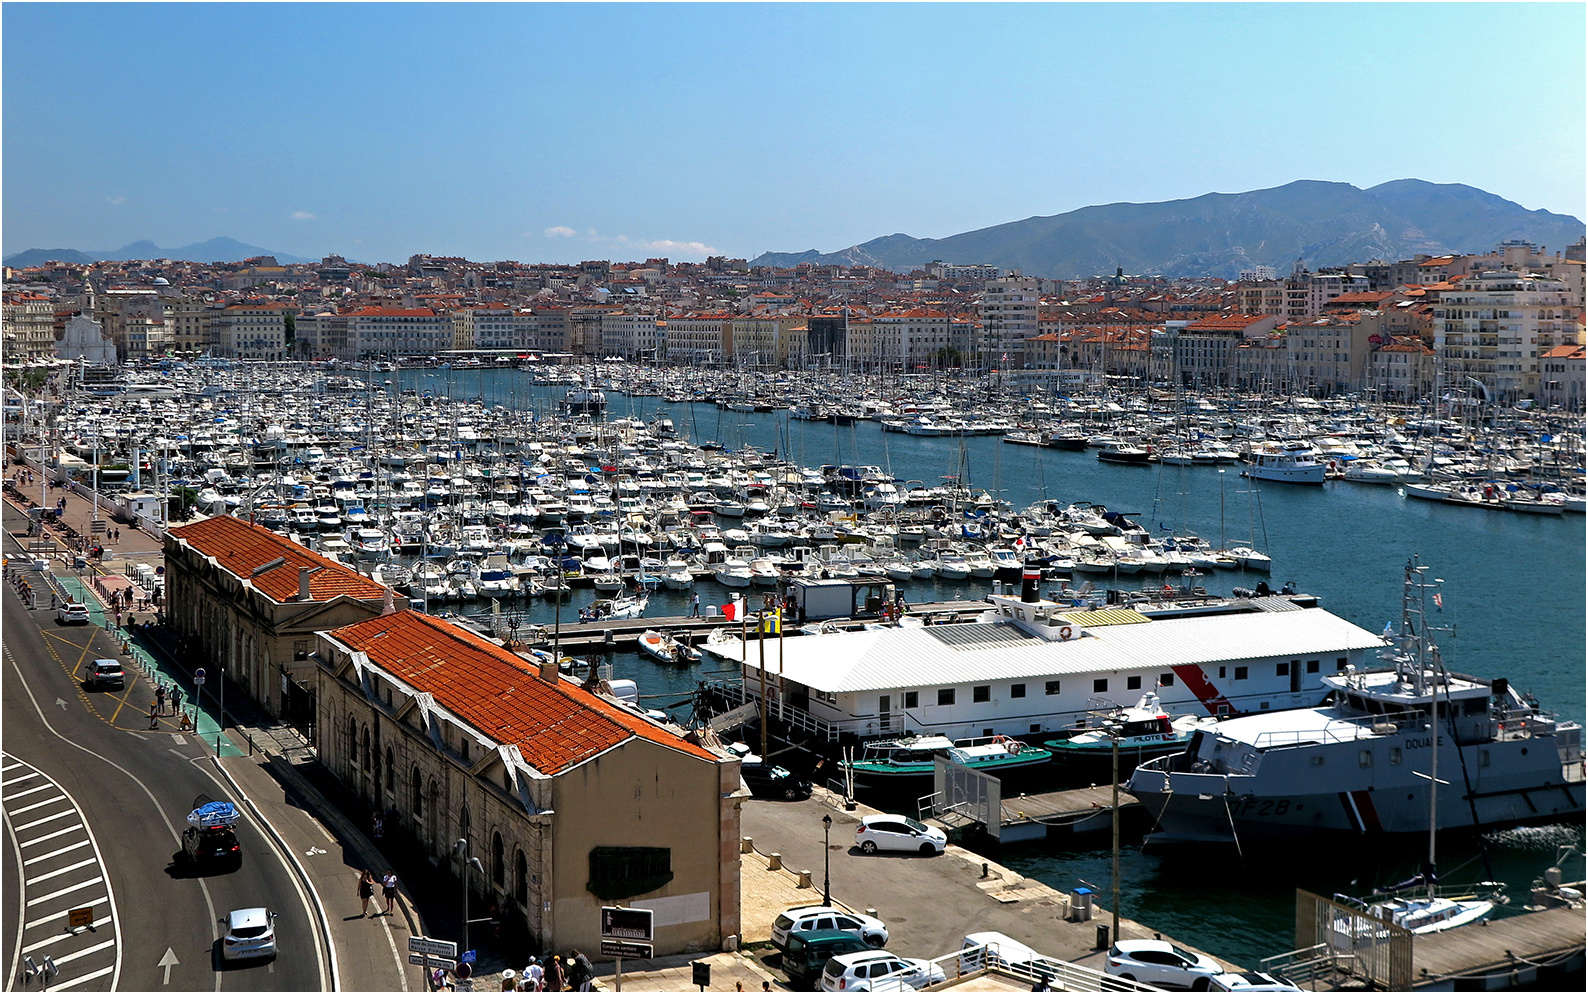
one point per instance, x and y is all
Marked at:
(804, 882)
(774, 861)
(746, 845)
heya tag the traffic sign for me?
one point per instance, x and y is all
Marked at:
(198, 677)
(419, 959)
(628, 923)
(432, 947)
(80, 918)
(618, 949)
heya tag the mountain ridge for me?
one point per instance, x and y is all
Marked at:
(1320, 222)
(221, 249)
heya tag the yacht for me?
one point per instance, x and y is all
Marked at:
(1373, 762)
(1293, 462)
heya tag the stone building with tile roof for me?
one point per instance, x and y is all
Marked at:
(249, 601)
(569, 800)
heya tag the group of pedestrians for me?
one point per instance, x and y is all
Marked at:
(551, 973)
(366, 891)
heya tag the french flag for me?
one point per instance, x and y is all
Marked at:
(730, 610)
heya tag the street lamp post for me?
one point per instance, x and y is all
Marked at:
(827, 861)
(460, 849)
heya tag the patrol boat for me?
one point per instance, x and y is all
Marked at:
(1368, 763)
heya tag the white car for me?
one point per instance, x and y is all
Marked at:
(896, 833)
(72, 613)
(1250, 981)
(813, 916)
(1154, 961)
(250, 934)
(880, 971)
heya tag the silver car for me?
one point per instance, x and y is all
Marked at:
(250, 934)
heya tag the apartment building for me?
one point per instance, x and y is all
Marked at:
(1495, 327)
(250, 331)
(569, 801)
(29, 325)
(699, 338)
(1401, 368)
(1329, 355)
(398, 331)
(1561, 378)
(1009, 317)
(631, 335)
(1203, 351)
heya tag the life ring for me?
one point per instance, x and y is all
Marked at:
(1002, 740)
(1167, 588)
(1013, 747)
(1065, 632)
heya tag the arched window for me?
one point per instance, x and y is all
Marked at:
(463, 828)
(520, 878)
(419, 796)
(352, 743)
(391, 771)
(366, 749)
(498, 864)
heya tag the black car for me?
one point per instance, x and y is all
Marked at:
(211, 845)
(772, 781)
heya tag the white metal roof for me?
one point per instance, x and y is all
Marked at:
(895, 658)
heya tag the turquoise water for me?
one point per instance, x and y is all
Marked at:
(1514, 594)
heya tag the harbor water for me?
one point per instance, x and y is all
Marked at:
(1513, 600)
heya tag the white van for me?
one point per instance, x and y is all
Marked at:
(1004, 953)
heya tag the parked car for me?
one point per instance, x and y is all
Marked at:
(72, 613)
(896, 833)
(106, 673)
(1252, 980)
(1154, 961)
(250, 934)
(773, 781)
(998, 950)
(805, 954)
(880, 971)
(814, 916)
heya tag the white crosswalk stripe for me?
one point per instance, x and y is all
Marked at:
(88, 959)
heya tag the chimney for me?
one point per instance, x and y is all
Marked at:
(548, 671)
(1031, 584)
(304, 572)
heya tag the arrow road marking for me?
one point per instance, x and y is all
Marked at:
(60, 704)
(314, 851)
(168, 961)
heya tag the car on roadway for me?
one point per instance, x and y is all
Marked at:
(814, 916)
(72, 613)
(1154, 961)
(769, 780)
(106, 673)
(218, 844)
(896, 833)
(877, 970)
(250, 933)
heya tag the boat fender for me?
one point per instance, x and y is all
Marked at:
(1013, 747)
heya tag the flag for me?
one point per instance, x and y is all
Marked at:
(730, 610)
(1020, 543)
(1439, 602)
(771, 623)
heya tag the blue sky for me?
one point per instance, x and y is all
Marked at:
(544, 133)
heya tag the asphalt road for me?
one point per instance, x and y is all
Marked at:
(133, 788)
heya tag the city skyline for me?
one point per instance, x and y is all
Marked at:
(560, 132)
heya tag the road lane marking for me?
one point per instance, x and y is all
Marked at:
(65, 890)
(55, 917)
(13, 795)
(79, 954)
(25, 776)
(41, 804)
(60, 872)
(57, 852)
(53, 835)
(58, 936)
(31, 824)
(61, 985)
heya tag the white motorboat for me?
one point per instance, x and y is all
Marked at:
(1293, 462)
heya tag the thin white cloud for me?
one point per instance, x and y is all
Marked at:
(687, 248)
(560, 231)
(117, 200)
(302, 216)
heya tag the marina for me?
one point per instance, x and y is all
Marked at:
(1313, 535)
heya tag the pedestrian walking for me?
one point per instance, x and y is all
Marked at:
(388, 885)
(159, 697)
(534, 975)
(366, 890)
(694, 605)
(584, 971)
(554, 977)
(176, 699)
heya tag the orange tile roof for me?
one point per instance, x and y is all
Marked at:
(555, 726)
(240, 548)
(1225, 322)
(1566, 352)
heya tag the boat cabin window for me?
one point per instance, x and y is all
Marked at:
(1281, 669)
(912, 699)
(1223, 671)
(1240, 672)
(1340, 664)
(1133, 683)
(1395, 757)
(1100, 686)
(1474, 705)
(1364, 758)
(1312, 666)
(945, 696)
(1166, 679)
(1017, 690)
(1051, 688)
(981, 695)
